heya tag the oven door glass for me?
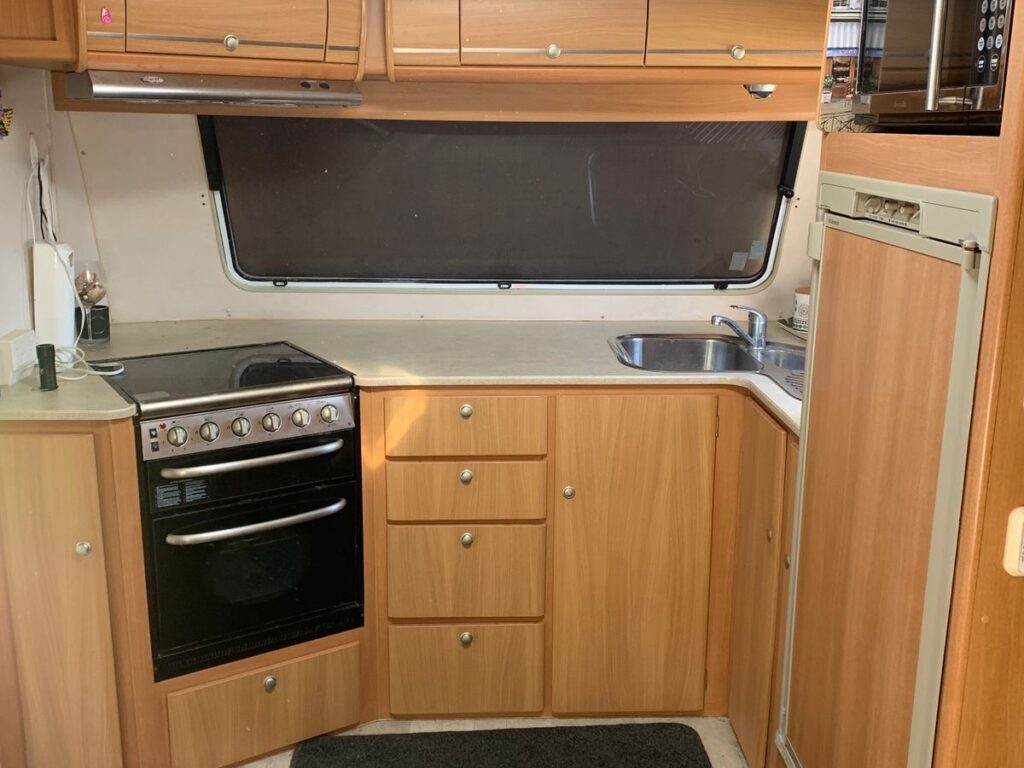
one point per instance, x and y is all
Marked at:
(223, 574)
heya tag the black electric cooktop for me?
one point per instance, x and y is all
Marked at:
(197, 379)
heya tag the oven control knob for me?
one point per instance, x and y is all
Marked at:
(209, 431)
(177, 436)
(300, 418)
(271, 422)
(329, 414)
(241, 426)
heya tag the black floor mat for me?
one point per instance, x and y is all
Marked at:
(652, 745)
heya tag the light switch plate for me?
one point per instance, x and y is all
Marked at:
(1013, 553)
(17, 356)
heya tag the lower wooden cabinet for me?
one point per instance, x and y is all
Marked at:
(632, 555)
(466, 669)
(231, 720)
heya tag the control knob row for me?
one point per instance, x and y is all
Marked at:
(241, 427)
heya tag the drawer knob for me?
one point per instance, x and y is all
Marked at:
(83, 548)
(467, 539)
(554, 51)
(569, 492)
(738, 52)
(466, 411)
(269, 683)
(769, 534)
(231, 42)
(466, 476)
(466, 638)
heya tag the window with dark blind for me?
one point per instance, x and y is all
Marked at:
(353, 201)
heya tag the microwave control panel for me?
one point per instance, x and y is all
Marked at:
(992, 29)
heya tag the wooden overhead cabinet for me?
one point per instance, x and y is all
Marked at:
(260, 29)
(345, 31)
(424, 32)
(632, 551)
(543, 33)
(741, 33)
(105, 25)
(39, 33)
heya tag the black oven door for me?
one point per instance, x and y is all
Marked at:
(229, 581)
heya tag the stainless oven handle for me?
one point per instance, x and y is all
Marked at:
(205, 470)
(187, 539)
(938, 45)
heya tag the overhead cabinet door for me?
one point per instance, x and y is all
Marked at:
(544, 33)
(260, 29)
(743, 33)
(425, 32)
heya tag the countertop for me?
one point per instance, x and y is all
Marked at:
(401, 353)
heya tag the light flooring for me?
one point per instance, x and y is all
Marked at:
(715, 732)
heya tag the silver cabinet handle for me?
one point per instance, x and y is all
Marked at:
(553, 51)
(466, 476)
(466, 638)
(466, 411)
(269, 683)
(205, 470)
(569, 492)
(467, 539)
(83, 548)
(189, 539)
(231, 42)
(769, 534)
(738, 52)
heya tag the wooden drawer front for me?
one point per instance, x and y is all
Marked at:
(432, 573)
(232, 720)
(500, 670)
(495, 426)
(105, 25)
(265, 29)
(696, 33)
(425, 32)
(467, 490)
(345, 31)
(564, 33)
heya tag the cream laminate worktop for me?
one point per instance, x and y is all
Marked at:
(401, 353)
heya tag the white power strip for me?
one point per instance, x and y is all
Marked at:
(17, 356)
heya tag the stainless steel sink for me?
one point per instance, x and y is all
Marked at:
(782, 363)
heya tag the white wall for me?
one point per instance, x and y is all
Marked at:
(148, 195)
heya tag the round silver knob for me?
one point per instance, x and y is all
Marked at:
(466, 638)
(241, 426)
(177, 436)
(466, 411)
(738, 52)
(467, 539)
(271, 422)
(329, 414)
(769, 534)
(554, 51)
(269, 683)
(83, 548)
(569, 492)
(466, 476)
(209, 431)
(231, 42)
(300, 418)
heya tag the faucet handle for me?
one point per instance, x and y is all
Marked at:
(757, 325)
(751, 310)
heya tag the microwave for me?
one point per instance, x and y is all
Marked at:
(929, 63)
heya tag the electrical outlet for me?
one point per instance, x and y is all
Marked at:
(17, 356)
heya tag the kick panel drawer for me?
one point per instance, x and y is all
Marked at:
(456, 571)
(232, 720)
(466, 669)
(466, 425)
(261, 29)
(467, 490)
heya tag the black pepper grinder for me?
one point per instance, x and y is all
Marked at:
(46, 356)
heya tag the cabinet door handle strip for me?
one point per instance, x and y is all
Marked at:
(220, 41)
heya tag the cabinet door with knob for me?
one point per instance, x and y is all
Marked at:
(632, 551)
(56, 655)
(741, 33)
(543, 33)
(759, 545)
(296, 29)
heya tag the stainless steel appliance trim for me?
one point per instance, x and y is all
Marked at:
(245, 397)
(910, 102)
(210, 537)
(220, 41)
(728, 51)
(564, 51)
(205, 470)
(935, 60)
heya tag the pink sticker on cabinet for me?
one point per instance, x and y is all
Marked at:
(105, 16)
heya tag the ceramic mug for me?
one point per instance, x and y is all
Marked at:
(802, 309)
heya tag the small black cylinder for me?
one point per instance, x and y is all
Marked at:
(47, 367)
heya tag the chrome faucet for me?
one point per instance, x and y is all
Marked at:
(757, 326)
